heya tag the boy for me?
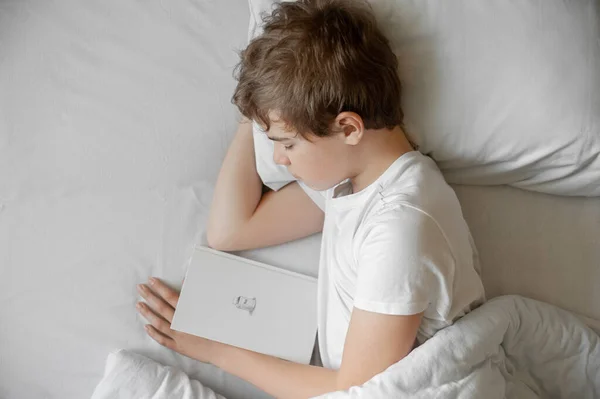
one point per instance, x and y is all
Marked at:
(397, 262)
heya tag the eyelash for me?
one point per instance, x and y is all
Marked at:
(288, 147)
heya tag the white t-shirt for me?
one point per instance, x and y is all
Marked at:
(398, 247)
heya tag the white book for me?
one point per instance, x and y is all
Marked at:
(248, 304)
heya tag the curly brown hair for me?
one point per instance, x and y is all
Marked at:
(315, 59)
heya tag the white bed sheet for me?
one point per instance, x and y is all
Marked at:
(540, 246)
(114, 118)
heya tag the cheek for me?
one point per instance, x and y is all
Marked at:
(319, 165)
(322, 162)
(308, 159)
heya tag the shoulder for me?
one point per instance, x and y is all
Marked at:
(418, 182)
(411, 202)
(404, 230)
(415, 202)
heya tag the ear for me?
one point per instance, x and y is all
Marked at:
(351, 126)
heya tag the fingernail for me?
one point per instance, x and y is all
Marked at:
(152, 280)
(141, 288)
(147, 327)
(138, 306)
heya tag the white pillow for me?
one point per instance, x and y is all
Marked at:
(496, 91)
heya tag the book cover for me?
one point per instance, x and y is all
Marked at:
(248, 304)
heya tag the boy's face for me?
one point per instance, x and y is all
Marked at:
(320, 163)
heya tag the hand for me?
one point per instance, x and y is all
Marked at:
(161, 303)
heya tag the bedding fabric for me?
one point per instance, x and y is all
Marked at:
(511, 347)
(541, 246)
(128, 375)
(498, 92)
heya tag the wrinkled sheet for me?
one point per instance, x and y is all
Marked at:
(128, 375)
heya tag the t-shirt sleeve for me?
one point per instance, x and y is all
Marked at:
(404, 264)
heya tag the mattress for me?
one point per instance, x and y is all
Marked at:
(114, 119)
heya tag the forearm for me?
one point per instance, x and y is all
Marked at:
(238, 189)
(277, 377)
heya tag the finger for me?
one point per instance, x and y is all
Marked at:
(160, 324)
(169, 294)
(158, 305)
(160, 338)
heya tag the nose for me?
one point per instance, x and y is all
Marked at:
(279, 156)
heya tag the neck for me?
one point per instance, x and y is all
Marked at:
(378, 150)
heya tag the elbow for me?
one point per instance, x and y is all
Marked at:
(216, 241)
(343, 386)
(346, 382)
(341, 383)
(220, 241)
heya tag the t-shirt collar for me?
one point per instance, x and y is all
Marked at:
(342, 193)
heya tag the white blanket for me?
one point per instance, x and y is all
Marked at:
(511, 347)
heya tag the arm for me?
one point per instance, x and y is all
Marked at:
(374, 342)
(241, 219)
